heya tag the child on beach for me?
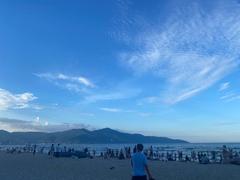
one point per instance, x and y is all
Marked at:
(139, 165)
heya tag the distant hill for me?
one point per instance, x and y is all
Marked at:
(81, 136)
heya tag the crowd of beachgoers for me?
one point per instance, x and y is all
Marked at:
(225, 155)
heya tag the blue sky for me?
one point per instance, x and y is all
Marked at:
(165, 68)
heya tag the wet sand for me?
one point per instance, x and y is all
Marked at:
(41, 167)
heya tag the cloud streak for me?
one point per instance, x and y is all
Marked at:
(229, 97)
(115, 110)
(110, 109)
(224, 86)
(71, 83)
(191, 52)
(9, 100)
(114, 94)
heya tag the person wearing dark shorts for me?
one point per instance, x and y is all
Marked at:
(139, 177)
(139, 165)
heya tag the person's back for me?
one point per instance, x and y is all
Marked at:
(139, 165)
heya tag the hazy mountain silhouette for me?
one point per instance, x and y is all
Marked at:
(81, 136)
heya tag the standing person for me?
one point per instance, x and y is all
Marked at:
(34, 149)
(57, 152)
(139, 165)
(51, 152)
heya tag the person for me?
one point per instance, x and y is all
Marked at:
(139, 165)
(57, 151)
(34, 149)
(51, 152)
(226, 154)
(121, 155)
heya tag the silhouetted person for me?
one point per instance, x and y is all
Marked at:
(139, 165)
(213, 153)
(180, 155)
(187, 158)
(57, 151)
(51, 152)
(121, 155)
(151, 152)
(34, 149)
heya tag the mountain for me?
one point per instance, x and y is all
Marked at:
(81, 136)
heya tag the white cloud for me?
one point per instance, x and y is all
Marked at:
(9, 100)
(37, 107)
(224, 86)
(90, 92)
(71, 83)
(37, 119)
(191, 52)
(111, 109)
(13, 125)
(114, 110)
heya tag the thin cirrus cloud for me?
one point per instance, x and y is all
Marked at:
(230, 96)
(149, 100)
(114, 94)
(110, 109)
(192, 51)
(115, 110)
(9, 100)
(71, 83)
(83, 84)
(224, 86)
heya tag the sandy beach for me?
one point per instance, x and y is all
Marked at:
(41, 167)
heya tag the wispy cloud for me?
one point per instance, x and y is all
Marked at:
(9, 100)
(91, 93)
(114, 94)
(227, 94)
(71, 83)
(37, 124)
(230, 96)
(149, 100)
(110, 109)
(224, 86)
(115, 110)
(193, 50)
